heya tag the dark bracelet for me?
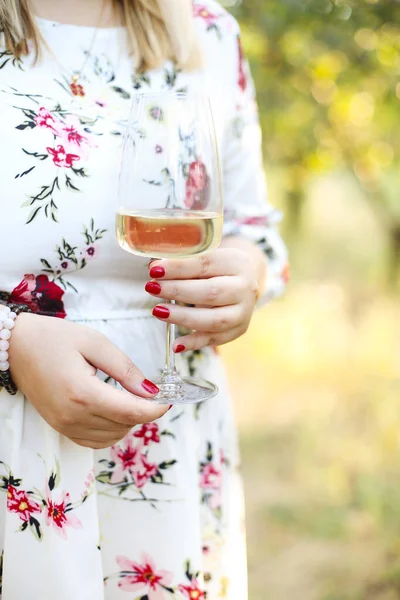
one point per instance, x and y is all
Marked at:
(6, 380)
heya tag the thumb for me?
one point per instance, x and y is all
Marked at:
(103, 355)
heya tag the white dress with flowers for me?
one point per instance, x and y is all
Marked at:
(159, 516)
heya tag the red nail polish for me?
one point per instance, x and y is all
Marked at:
(180, 348)
(161, 312)
(153, 287)
(150, 387)
(169, 407)
(157, 272)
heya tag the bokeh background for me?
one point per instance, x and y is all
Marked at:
(317, 378)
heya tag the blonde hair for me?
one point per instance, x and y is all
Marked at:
(157, 29)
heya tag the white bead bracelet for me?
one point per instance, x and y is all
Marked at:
(7, 323)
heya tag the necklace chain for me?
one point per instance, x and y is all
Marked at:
(77, 88)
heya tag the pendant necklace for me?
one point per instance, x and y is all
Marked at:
(77, 88)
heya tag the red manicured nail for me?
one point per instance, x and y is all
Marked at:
(169, 407)
(161, 312)
(180, 348)
(153, 287)
(150, 387)
(157, 272)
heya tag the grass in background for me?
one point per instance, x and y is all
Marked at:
(317, 390)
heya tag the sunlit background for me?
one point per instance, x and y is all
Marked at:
(319, 406)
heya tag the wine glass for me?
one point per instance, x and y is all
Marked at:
(170, 199)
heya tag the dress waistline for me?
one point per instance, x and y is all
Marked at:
(110, 315)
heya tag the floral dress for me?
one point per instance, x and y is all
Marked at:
(158, 516)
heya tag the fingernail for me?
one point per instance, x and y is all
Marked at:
(150, 387)
(161, 312)
(169, 407)
(180, 348)
(157, 272)
(153, 287)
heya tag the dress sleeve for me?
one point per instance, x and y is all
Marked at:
(247, 212)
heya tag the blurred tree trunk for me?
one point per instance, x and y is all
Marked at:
(377, 201)
(295, 199)
(394, 257)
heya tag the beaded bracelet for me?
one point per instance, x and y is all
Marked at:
(8, 315)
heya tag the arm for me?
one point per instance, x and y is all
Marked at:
(251, 264)
(248, 213)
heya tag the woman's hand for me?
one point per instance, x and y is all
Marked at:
(54, 362)
(222, 285)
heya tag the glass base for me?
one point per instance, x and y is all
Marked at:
(188, 390)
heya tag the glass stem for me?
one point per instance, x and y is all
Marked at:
(170, 369)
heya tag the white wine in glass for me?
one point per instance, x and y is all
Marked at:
(170, 199)
(168, 233)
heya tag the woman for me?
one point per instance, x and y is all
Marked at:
(105, 494)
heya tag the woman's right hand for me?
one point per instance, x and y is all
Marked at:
(54, 362)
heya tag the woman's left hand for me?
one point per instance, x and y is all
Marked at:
(223, 287)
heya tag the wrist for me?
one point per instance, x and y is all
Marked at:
(256, 257)
(8, 317)
(7, 323)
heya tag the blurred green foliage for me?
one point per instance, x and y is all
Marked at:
(319, 409)
(327, 74)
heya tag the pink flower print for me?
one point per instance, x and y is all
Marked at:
(242, 80)
(73, 138)
(210, 477)
(65, 265)
(89, 484)
(202, 12)
(46, 120)
(126, 461)
(19, 502)
(192, 591)
(256, 220)
(146, 471)
(286, 273)
(149, 433)
(61, 158)
(156, 113)
(90, 251)
(58, 514)
(211, 481)
(145, 577)
(197, 186)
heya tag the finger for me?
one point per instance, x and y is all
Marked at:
(100, 434)
(120, 406)
(103, 355)
(95, 445)
(201, 319)
(198, 340)
(216, 291)
(103, 424)
(224, 261)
